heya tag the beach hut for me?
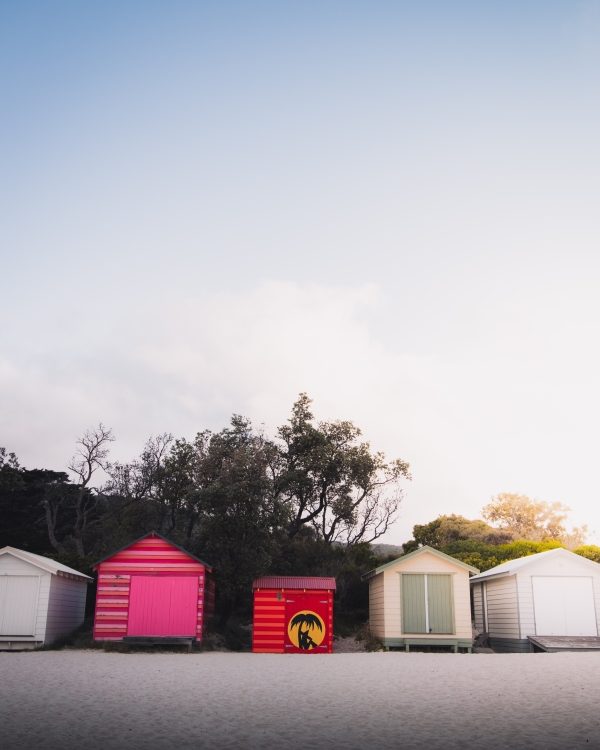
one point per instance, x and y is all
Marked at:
(553, 593)
(152, 591)
(293, 615)
(41, 600)
(421, 599)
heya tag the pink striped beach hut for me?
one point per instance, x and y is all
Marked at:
(152, 590)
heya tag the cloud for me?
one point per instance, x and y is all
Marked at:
(470, 426)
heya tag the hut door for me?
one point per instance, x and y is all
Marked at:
(18, 604)
(564, 605)
(439, 603)
(163, 606)
(427, 605)
(306, 617)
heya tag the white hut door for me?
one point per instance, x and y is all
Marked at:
(564, 605)
(18, 604)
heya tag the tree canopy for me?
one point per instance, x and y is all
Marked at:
(536, 520)
(524, 527)
(333, 482)
(305, 501)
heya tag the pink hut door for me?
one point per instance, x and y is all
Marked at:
(163, 606)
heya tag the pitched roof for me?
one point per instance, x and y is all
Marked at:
(511, 566)
(160, 536)
(294, 582)
(417, 552)
(45, 563)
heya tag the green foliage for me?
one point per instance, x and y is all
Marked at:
(477, 543)
(591, 551)
(334, 483)
(25, 496)
(447, 529)
(485, 556)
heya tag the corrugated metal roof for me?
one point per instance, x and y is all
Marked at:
(45, 563)
(294, 582)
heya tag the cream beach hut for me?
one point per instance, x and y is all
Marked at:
(421, 599)
(41, 600)
(551, 594)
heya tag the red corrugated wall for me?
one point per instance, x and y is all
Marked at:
(149, 556)
(269, 632)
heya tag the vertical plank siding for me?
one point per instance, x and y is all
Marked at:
(149, 556)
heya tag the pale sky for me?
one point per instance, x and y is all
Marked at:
(207, 208)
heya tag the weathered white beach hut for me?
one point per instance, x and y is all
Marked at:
(553, 593)
(421, 599)
(41, 600)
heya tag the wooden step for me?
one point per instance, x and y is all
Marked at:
(554, 643)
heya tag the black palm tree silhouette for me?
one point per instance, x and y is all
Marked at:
(305, 622)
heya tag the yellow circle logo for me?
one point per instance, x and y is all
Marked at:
(306, 630)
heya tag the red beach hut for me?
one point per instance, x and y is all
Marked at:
(293, 615)
(152, 589)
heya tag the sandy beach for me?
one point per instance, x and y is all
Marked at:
(91, 699)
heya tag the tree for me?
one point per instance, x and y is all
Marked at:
(447, 529)
(485, 556)
(91, 453)
(239, 517)
(139, 479)
(8, 460)
(534, 520)
(334, 483)
(23, 493)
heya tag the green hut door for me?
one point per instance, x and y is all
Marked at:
(439, 603)
(427, 603)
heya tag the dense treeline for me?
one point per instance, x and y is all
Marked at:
(525, 527)
(308, 501)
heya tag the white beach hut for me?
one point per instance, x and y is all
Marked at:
(554, 593)
(40, 600)
(421, 599)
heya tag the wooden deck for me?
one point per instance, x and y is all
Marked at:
(554, 643)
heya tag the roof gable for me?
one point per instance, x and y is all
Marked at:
(44, 563)
(512, 566)
(208, 567)
(417, 553)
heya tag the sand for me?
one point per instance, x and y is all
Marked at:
(92, 699)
